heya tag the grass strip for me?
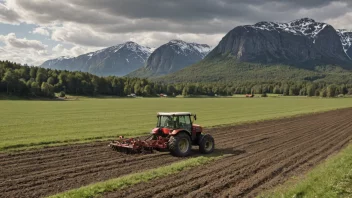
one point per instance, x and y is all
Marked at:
(331, 179)
(46, 144)
(99, 188)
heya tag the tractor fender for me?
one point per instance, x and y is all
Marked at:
(177, 131)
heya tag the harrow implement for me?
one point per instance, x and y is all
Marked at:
(136, 145)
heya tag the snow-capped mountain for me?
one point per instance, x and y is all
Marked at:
(171, 57)
(304, 43)
(117, 60)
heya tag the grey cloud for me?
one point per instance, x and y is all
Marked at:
(82, 36)
(148, 25)
(12, 41)
(47, 12)
(8, 15)
(22, 55)
(101, 22)
(86, 36)
(178, 16)
(195, 9)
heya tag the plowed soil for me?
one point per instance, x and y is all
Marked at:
(262, 155)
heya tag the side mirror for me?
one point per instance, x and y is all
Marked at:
(195, 117)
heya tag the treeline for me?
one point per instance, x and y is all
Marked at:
(35, 81)
(285, 88)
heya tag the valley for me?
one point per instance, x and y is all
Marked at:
(175, 99)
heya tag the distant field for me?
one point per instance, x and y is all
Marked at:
(31, 123)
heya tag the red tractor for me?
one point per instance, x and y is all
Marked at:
(175, 131)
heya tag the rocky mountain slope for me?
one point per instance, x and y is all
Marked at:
(302, 42)
(171, 57)
(117, 60)
(346, 40)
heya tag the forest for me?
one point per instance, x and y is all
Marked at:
(19, 80)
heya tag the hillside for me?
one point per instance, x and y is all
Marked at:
(171, 57)
(228, 69)
(117, 60)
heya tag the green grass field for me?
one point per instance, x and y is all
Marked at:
(332, 179)
(25, 124)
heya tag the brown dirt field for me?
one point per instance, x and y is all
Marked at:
(264, 154)
(53, 170)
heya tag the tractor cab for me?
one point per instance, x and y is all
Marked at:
(172, 123)
(175, 120)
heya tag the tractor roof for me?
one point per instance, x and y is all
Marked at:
(174, 113)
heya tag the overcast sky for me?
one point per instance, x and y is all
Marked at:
(32, 31)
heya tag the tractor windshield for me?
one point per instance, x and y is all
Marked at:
(165, 122)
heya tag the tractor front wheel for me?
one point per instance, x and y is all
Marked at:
(206, 144)
(180, 145)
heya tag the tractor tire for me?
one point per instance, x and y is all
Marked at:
(180, 145)
(206, 144)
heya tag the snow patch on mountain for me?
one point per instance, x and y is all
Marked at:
(56, 60)
(307, 27)
(204, 49)
(134, 47)
(64, 57)
(346, 38)
(182, 47)
(131, 46)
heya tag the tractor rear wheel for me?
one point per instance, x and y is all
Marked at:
(180, 145)
(206, 144)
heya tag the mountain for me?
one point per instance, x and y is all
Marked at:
(346, 40)
(267, 51)
(117, 60)
(302, 42)
(171, 57)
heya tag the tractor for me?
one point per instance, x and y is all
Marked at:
(175, 132)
